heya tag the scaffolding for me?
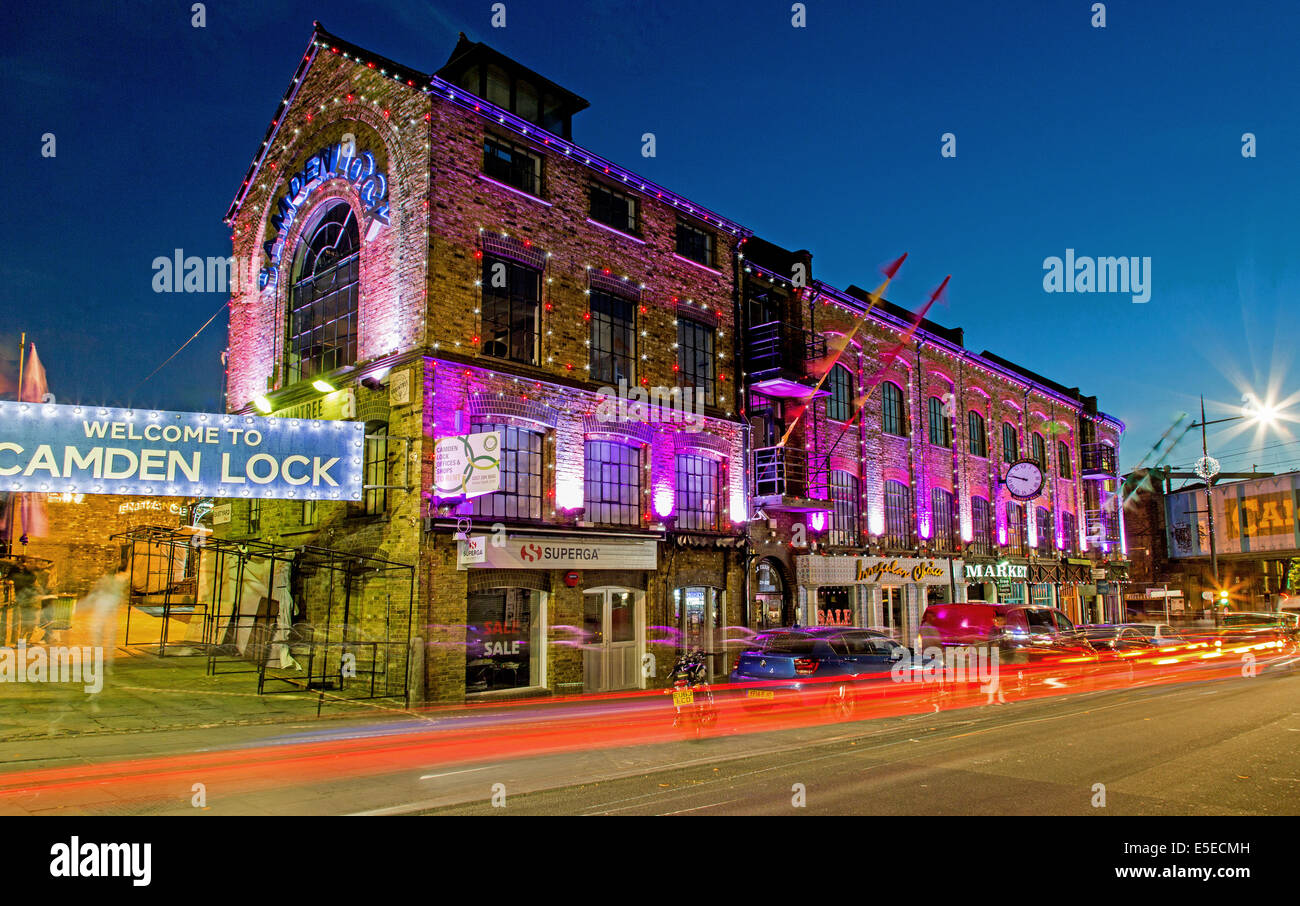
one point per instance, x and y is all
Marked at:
(350, 637)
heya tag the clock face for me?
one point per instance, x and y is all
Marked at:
(1024, 479)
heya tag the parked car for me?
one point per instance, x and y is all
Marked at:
(1117, 638)
(1022, 632)
(1162, 635)
(821, 666)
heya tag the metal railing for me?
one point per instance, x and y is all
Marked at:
(780, 472)
(1098, 461)
(777, 348)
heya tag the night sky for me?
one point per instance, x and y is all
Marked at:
(1117, 141)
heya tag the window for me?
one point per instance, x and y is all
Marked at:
(940, 426)
(1063, 460)
(511, 299)
(839, 403)
(612, 482)
(613, 338)
(513, 165)
(1069, 532)
(503, 626)
(254, 516)
(1045, 529)
(898, 514)
(844, 515)
(1038, 448)
(323, 300)
(616, 209)
(694, 243)
(695, 357)
(1010, 443)
(697, 493)
(981, 527)
(520, 495)
(1016, 528)
(943, 520)
(309, 512)
(498, 87)
(376, 468)
(978, 439)
(894, 421)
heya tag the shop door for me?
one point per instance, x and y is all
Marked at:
(611, 658)
(891, 609)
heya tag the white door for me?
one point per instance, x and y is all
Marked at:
(611, 657)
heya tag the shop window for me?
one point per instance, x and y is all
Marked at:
(512, 164)
(894, 420)
(612, 482)
(943, 520)
(376, 468)
(511, 303)
(323, 298)
(940, 426)
(694, 243)
(898, 515)
(1010, 443)
(616, 209)
(520, 496)
(844, 517)
(840, 403)
(698, 495)
(977, 436)
(613, 338)
(503, 637)
(981, 527)
(695, 354)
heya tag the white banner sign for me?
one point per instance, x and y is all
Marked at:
(558, 553)
(467, 465)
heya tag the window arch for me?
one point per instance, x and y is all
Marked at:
(840, 384)
(323, 298)
(894, 420)
(940, 426)
(977, 436)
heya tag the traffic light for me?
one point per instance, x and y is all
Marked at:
(1223, 597)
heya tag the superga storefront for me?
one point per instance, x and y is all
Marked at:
(558, 612)
(881, 592)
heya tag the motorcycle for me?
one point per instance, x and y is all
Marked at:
(692, 697)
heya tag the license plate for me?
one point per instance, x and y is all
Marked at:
(683, 697)
(760, 693)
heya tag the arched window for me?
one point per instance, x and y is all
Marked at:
(1016, 528)
(940, 426)
(1069, 532)
(1038, 449)
(898, 515)
(323, 300)
(1045, 529)
(376, 475)
(520, 496)
(1063, 460)
(612, 482)
(977, 437)
(840, 384)
(1010, 443)
(943, 520)
(894, 420)
(844, 517)
(981, 527)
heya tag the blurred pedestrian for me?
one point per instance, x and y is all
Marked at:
(102, 603)
(27, 593)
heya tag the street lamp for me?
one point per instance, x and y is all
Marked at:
(1207, 466)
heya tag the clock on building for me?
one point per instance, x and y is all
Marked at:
(1024, 479)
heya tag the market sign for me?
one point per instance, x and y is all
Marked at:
(90, 450)
(567, 552)
(467, 465)
(981, 572)
(817, 570)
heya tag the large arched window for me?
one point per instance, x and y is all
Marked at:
(898, 515)
(943, 517)
(323, 300)
(978, 439)
(940, 426)
(1010, 442)
(839, 403)
(844, 516)
(893, 416)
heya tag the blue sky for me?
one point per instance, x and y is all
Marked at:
(1117, 141)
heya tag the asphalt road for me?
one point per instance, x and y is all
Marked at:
(1214, 747)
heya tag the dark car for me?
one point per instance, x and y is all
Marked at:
(1022, 632)
(1117, 638)
(825, 666)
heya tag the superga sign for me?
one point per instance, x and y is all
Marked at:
(557, 553)
(997, 571)
(89, 450)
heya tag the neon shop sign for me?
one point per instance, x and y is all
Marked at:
(338, 161)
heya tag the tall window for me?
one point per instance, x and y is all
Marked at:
(616, 209)
(839, 403)
(898, 514)
(697, 493)
(694, 243)
(254, 515)
(981, 518)
(943, 520)
(376, 470)
(309, 512)
(1016, 528)
(323, 300)
(1038, 450)
(512, 164)
(940, 426)
(511, 301)
(695, 357)
(978, 437)
(1046, 530)
(613, 338)
(520, 496)
(891, 397)
(844, 515)
(1010, 443)
(612, 482)
(1063, 460)
(1070, 531)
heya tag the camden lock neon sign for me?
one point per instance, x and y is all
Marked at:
(338, 161)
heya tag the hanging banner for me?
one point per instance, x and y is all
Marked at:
(89, 450)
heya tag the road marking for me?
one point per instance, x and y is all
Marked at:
(451, 773)
(698, 807)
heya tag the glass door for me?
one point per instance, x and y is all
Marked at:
(891, 609)
(610, 657)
